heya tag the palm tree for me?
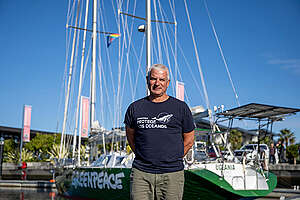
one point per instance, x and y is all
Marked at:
(14, 156)
(235, 139)
(287, 136)
(54, 153)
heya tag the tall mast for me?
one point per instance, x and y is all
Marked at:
(79, 91)
(62, 147)
(93, 82)
(148, 36)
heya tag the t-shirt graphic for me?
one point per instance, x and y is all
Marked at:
(160, 121)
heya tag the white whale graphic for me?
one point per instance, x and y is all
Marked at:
(164, 119)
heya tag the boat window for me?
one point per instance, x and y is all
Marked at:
(99, 161)
(106, 160)
(119, 160)
(248, 147)
(263, 148)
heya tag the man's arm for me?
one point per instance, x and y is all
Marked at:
(188, 141)
(130, 137)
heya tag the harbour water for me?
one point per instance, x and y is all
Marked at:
(46, 194)
(28, 194)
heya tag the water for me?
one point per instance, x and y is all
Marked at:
(44, 194)
(28, 194)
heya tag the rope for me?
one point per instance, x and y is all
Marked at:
(222, 54)
(199, 65)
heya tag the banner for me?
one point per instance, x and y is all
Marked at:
(180, 90)
(84, 116)
(26, 123)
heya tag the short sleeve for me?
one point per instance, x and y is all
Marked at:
(188, 124)
(129, 119)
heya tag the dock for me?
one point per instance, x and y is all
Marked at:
(28, 184)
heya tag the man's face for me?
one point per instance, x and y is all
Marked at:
(158, 82)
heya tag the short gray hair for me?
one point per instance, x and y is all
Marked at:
(159, 67)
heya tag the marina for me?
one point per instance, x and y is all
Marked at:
(89, 156)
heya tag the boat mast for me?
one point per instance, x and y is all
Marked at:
(93, 75)
(148, 37)
(79, 91)
(62, 147)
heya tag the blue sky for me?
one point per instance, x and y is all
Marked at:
(260, 41)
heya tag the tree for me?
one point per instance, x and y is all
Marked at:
(287, 136)
(292, 152)
(13, 156)
(10, 151)
(235, 139)
(54, 151)
(266, 140)
(41, 144)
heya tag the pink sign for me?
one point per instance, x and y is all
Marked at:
(26, 123)
(84, 116)
(180, 90)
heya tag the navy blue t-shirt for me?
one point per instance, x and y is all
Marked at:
(158, 133)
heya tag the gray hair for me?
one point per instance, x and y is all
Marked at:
(159, 67)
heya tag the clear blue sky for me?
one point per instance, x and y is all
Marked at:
(260, 40)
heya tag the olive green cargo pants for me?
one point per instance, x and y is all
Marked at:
(148, 186)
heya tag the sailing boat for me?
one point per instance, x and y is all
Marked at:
(108, 177)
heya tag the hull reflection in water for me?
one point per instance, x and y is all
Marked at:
(28, 194)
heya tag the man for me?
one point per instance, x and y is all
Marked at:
(279, 150)
(272, 153)
(160, 131)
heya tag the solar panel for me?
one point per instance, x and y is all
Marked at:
(258, 111)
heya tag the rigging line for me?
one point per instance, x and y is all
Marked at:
(114, 10)
(64, 81)
(129, 44)
(139, 65)
(110, 68)
(130, 78)
(71, 91)
(70, 11)
(191, 72)
(73, 77)
(89, 30)
(157, 34)
(128, 51)
(101, 82)
(221, 51)
(120, 55)
(198, 62)
(175, 41)
(120, 64)
(69, 83)
(142, 18)
(107, 93)
(125, 74)
(166, 41)
(133, 48)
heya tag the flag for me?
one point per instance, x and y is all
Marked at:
(111, 37)
(26, 123)
(84, 116)
(180, 90)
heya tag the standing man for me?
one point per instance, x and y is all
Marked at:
(272, 152)
(160, 131)
(279, 150)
